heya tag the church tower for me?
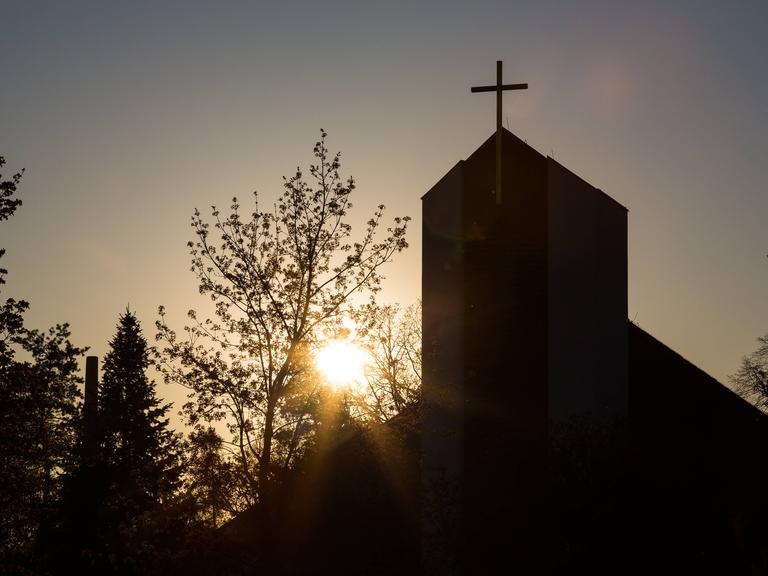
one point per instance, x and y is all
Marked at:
(525, 334)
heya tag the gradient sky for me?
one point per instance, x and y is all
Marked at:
(129, 115)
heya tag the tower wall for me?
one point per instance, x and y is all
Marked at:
(524, 323)
(505, 354)
(443, 372)
(587, 299)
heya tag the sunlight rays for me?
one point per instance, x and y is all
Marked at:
(342, 363)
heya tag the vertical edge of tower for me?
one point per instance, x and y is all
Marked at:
(443, 372)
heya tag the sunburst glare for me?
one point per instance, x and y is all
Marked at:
(342, 363)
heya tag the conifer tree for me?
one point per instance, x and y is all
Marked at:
(139, 450)
(140, 461)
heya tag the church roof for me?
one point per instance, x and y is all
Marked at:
(512, 142)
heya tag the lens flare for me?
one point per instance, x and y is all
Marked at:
(342, 363)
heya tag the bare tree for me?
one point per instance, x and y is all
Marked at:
(751, 379)
(392, 337)
(275, 279)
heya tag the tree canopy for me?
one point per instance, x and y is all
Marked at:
(391, 336)
(276, 278)
(39, 396)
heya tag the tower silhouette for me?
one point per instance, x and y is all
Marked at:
(525, 329)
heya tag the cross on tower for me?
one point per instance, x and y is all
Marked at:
(498, 88)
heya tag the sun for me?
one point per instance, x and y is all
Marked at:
(342, 363)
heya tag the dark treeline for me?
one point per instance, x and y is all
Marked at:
(39, 419)
(112, 489)
(104, 500)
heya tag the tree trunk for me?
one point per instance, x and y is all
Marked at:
(266, 451)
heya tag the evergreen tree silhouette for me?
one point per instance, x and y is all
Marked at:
(139, 453)
(137, 442)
